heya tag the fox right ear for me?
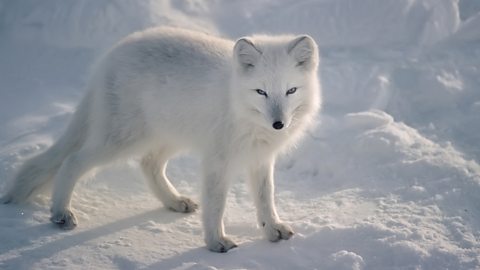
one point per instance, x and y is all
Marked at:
(245, 53)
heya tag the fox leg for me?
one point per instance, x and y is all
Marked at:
(73, 167)
(214, 193)
(262, 189)
(154, 165)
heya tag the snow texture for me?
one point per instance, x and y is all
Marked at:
(389, 179)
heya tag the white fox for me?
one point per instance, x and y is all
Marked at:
(164, 90)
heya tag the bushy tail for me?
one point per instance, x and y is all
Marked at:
(35, 174)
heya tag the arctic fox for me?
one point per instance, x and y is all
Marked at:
(164, 90)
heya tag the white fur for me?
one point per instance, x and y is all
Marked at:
(166, 90)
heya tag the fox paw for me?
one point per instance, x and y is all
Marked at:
(183, 205)
(278, 231)
(221, 245)
(65, 220)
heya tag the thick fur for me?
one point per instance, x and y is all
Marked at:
(166, 90)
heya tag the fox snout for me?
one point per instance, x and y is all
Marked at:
(277, 115)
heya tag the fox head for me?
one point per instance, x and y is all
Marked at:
(275, 83)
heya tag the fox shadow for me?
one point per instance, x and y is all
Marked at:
(71, 238)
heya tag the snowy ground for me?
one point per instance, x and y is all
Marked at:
(390, 179)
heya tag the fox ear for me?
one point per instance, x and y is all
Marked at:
(304, 50)
(246, 54)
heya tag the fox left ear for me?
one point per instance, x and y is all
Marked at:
(304, 50)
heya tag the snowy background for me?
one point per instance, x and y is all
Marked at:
(390, 179)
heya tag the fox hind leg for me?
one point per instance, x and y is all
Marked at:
(154, 166)
(72, 169)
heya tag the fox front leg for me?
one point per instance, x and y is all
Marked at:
(262, 188)
(215, 187)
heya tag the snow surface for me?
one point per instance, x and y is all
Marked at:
(390, 179)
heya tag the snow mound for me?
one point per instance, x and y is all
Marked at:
(347, 23)
(346, 260)
(367, 120)
(92, 23)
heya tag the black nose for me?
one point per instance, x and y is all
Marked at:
(278, 125)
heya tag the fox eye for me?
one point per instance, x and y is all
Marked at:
(261, 92)
(291, 91)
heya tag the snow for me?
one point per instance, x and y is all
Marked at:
(389, 178)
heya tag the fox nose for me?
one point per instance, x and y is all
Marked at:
(278, 125)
